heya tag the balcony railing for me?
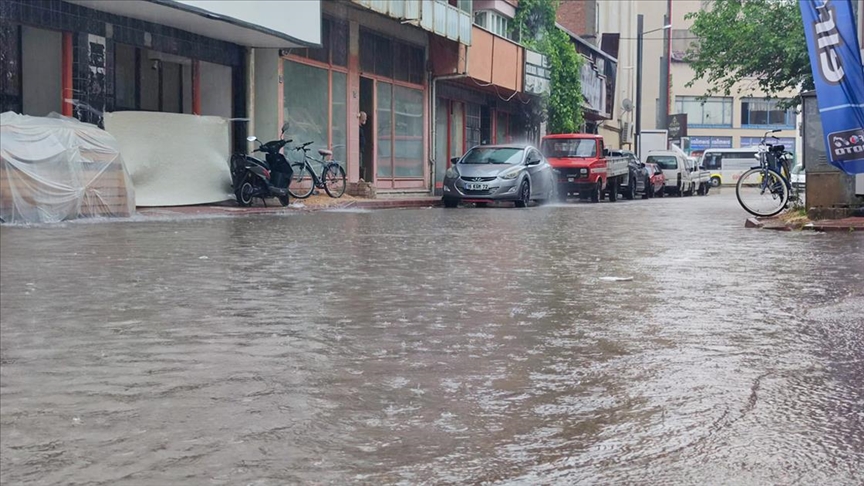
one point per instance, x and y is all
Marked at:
(436, 16)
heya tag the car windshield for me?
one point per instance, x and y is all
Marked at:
(798, 169)
(664, 161)
(569, 147)
(491, 155)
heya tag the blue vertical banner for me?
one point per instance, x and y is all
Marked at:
(835, 59)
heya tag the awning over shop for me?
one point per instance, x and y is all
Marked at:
(272, 24)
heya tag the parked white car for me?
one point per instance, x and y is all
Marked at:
(677, 170)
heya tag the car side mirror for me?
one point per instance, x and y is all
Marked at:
(533, 160)
(606, 152)
(454, 160)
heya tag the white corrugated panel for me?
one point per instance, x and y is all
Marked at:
(397, 9)
(452, 23)
(412, 9)
(380, 6)
(427, 15)
(465, 28)
(440, 18)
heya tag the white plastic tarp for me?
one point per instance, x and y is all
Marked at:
(174, 159)
(56, 168)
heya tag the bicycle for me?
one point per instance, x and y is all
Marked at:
(764, 190)
(304, 180)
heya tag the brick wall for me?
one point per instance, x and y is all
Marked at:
(577, 16)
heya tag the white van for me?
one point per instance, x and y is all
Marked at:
(726, 165)
(677, 170)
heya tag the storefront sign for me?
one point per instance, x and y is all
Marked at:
(537, 73)
(677, 125)
(789, 143)
(702, 143)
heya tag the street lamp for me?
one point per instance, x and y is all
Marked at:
(639, 34)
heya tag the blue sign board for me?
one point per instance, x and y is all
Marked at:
(754, 141)
(702, 143)
(835, 59)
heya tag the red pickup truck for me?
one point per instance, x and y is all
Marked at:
(584, 166)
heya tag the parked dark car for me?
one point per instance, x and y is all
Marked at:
(656, 181)
(636, 182)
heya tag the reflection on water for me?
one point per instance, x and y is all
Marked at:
(434, 346)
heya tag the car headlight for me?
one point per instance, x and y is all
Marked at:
(511, 174)
(451, 173)
(584, 172)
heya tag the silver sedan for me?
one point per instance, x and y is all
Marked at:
(486, 173)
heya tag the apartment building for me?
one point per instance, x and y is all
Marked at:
(737, 120)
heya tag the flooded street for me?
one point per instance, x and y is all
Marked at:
(434, 346)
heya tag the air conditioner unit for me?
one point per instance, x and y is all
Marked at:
(626, 133)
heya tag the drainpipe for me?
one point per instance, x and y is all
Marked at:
(250, 96)
(434, 98)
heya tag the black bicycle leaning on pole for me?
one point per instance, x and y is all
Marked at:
(304, 179)
(765, 190)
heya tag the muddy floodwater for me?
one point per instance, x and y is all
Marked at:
(641, 342)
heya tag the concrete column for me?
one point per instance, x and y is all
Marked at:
(353, 162)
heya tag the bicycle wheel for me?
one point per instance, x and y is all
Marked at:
(762, 192)
(334, 180)
(301, 181)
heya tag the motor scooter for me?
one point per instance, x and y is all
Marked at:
(252, 177)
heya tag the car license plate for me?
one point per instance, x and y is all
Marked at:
(570, 179)
(476, 187)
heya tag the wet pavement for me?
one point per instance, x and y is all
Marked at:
(434, 346)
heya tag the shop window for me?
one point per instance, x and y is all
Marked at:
(502, 126)
(385, 129)
(307, 105)
(457, 129)
(758, 112)
(408, 64)
(710, 112)
(400, 131)
(391, 59)
(408, 132)
(125, 78)
(472, 125)
(41, 54)
(10, 68)
(339, 122)
(334, 45)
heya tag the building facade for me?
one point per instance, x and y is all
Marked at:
(596, 28)
(433, 77)
(84, 58)
(737, 120)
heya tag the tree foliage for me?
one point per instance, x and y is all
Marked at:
(758, 40)
(534, 23)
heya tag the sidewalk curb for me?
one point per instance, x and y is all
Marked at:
(234, 210)
(848, 225)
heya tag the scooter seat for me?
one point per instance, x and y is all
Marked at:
(325, 153)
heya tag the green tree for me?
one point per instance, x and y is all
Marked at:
(762, 40)
(534, 23)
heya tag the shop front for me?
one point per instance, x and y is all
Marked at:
(366, 64)
(85, 58)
